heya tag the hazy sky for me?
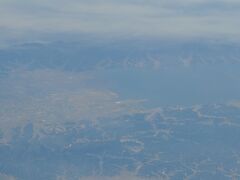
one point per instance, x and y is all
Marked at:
(151, 18)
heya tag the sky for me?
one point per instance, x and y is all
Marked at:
(125, 18)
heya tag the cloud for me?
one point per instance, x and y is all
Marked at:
(186, 18)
